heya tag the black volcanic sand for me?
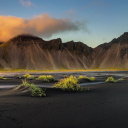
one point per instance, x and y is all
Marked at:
(103, 106)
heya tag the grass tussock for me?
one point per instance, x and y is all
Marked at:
(17, 76)
(111, 80)
(28, 76)
(69, 84)
(86, 78)
(65, 76)
(2, 78)
(35, 90)
(47, 78)
(92, 79)
(83, 77)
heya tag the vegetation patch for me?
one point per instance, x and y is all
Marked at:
(92, 79)
(111, 80)
(28, 76)
(17, 76)
(35, 90)
(86, 78)
(69, 84)
(65, 76)
(47, 78)
(2, 78)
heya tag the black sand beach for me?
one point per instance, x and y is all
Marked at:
(103, 106)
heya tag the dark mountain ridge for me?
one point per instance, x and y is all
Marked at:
(113, 54)
(31, 52)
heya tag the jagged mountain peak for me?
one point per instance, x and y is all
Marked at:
(123, 39)
(78, 47)
(113, 54)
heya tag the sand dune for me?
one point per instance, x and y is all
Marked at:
(103, 106)
(18, 90)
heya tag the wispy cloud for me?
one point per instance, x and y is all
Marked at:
(41, 25)
(26, 3)
(71, 14)
(71, 11)
(94, 3)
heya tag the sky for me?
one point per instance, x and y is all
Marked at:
(92, 22)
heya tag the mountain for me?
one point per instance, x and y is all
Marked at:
(30, 52)
(1, 42)
(113, 54)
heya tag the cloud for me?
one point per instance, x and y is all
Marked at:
(70, 13)
(41, 25)
(94, 3)
(26, 3)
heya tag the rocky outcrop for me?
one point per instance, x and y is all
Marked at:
(79, 48)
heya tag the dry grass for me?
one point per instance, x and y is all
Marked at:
(28, 76)
(47, 78)
(69, 84)
(86, 78)
(111, 80)
(35, 90)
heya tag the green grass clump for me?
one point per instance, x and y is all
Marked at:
(110, 79)
(28, 76)
(47, 78)
(35, 90)
(83, 77)
(92, 79)
(86, 78)
(2, 78)
(69, 84)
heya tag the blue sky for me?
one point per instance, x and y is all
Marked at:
(99, 20)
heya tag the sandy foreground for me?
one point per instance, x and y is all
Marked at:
(103, 106)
